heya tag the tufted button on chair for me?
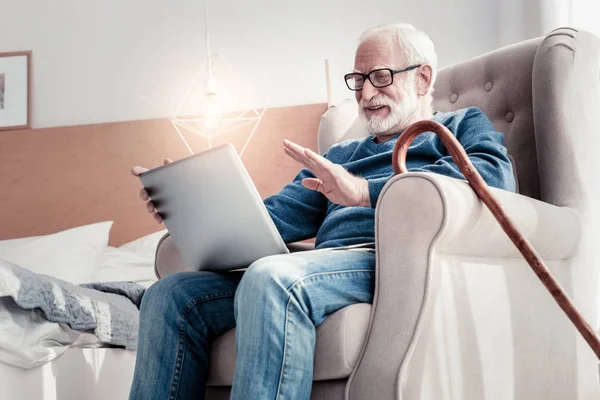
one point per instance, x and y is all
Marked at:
(457, 312)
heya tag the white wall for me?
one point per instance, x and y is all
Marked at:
(584, 14)
(92, 59)
(524, 19)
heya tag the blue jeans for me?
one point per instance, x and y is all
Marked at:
(275, 305)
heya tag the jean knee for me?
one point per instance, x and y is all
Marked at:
(155, 300)
(266, 282)
(165, 298)
(263, 274)
(160, 290)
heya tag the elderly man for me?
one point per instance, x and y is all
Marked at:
(277, 303)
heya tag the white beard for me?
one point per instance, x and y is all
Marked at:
(399, 113)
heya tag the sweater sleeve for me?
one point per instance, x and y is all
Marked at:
(375, 186)
(297, 211)
(484, 146)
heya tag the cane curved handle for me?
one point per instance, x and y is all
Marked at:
(461, 159)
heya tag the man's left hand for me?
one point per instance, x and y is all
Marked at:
(333, 180)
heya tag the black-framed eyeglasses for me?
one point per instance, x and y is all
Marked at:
(379, 78)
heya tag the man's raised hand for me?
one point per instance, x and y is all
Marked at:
(333, 180)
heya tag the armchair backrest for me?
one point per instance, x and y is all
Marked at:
(538, 93)
(499, 83)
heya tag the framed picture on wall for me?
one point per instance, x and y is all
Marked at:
(15, 90)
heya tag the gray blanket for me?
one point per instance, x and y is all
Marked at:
(108, 310)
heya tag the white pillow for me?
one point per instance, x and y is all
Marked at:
(133, 261)
(146, 244)
(69, 255)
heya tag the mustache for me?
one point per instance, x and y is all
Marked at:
(379, 100)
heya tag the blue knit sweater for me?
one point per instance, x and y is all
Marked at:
(300, 213)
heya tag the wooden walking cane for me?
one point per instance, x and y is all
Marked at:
(460, 158)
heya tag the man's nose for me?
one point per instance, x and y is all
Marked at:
(369, 91)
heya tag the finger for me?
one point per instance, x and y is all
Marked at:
(167, 161)
(137, 170)
(289, 143)
(318, 159)
(150, 206)
(323, 166)
(297, 149)
(293, 155)
(144, 194)
(312, 162)
(290, 149)
(296, 157)
(301, 153)
(313, 184)
(157, 218)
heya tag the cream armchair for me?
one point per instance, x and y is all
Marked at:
(457, 313)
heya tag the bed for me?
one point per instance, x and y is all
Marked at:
(91, 374)
(76, 179)
(83, 370)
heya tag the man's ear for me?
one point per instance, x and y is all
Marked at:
(424, 79)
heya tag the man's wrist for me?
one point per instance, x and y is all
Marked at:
(365, 196)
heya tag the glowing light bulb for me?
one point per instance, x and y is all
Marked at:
(212, 113)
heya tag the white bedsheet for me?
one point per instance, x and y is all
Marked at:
(79, 374)
(28, 341)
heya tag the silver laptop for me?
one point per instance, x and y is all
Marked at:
(213, 211)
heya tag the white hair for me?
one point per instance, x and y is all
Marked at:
(417, 46)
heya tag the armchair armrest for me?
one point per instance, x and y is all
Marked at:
(420, 219)
(471, 229)
(167, 260)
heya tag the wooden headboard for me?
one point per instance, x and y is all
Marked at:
(58, 178)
